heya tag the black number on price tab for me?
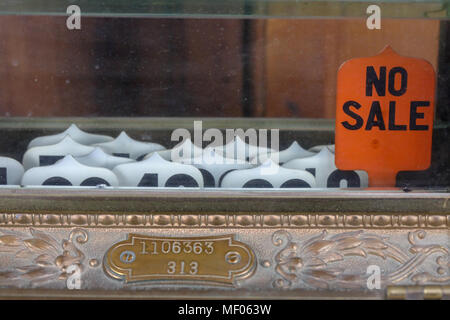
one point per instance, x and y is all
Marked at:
(337, 176)
(261, 183)
(141, 157)
(94, 181)
(3, 178)
(149, 180)
(179, 180)
(208, 179)
(56, 181)
(295, 183)
(123, 155)
(48, 160)
(258, 183)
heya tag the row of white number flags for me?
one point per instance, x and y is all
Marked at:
(77, 158)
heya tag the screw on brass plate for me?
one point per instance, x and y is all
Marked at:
(232, 257)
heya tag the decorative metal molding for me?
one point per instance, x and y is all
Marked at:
(313, 261)
(281, 220)
(47, 259)
(322, 262)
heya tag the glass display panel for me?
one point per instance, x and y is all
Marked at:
(205, 94)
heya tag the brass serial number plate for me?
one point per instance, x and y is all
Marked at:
(218, 259)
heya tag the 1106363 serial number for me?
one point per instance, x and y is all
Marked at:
(176, 247)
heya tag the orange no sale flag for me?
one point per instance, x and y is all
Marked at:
(384, 116)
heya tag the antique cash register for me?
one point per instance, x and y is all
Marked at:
(225, 149)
